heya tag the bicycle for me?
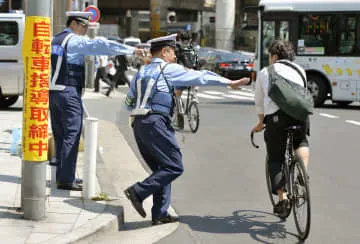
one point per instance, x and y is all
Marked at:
(296, 185)
(190, 109)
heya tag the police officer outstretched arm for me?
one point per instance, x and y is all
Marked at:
(67, 80)
(151, 101)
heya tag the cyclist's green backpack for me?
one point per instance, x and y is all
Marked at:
(293, 99)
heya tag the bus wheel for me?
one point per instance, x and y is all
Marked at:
(7, 101)
(318, 89)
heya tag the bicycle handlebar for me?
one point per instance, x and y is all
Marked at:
(252, 140)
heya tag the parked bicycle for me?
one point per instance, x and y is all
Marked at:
(296, 185)
(189, 109)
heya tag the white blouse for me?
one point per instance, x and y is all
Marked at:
(263, 103)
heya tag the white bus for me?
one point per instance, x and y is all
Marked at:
(326, 38)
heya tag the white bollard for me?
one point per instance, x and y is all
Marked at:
(90, 148)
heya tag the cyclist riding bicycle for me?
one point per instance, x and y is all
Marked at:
(186, 56)
(277, 121)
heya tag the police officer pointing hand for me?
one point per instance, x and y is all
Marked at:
(151, 100)
(67, 80)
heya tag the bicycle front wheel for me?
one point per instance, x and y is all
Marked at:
(194, 117)
(301, 198)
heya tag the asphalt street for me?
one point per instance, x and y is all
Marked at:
(222, 197)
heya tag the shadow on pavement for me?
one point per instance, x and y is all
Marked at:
(10, 213)
(10, 178)
(340, 107)
(111, 207)
(136, 225)
(12, 109)
(261, 226)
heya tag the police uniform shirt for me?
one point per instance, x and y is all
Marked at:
(176, 75)
(81, 46)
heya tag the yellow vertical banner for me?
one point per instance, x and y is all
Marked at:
(36, 55)
(155, 9)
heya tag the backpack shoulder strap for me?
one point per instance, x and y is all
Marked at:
(295, 68)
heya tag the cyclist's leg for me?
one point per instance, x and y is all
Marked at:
(304, 154)
(301, 144)
(275, 139)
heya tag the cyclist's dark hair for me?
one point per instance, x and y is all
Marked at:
(283, 49)
(185, 36)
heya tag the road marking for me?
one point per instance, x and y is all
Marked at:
(247, 89)
(353, 122)
(329, 116)
(208, 96)
(214, 92)
(246, 94)
(238, 97)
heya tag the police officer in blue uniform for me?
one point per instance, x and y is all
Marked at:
(151, 101)
(67, 81)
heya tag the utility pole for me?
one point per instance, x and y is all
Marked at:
(224, 25)
(90, 60)
(36, 55)
(59, 17)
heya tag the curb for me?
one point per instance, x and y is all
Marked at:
(110, 220)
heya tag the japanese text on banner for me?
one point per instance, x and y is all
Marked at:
(36, 56)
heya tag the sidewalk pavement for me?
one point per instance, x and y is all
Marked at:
(69, 217)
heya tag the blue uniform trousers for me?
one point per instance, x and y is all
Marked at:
(157, 144)
(66, 121)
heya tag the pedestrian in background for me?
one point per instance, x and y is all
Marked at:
(151, 99)
(121, 66)
(102, 73)
(67, 81)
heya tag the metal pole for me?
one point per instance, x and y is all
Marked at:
(90, 146)
(34, 173)
(90, 60)
(59, 17)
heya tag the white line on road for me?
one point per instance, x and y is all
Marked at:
(329, 116)
(238, 97)
(353, 122)
(214, 92)
(246, 94)
(247, 89)
(208, 96)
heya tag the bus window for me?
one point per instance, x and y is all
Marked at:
(268, 38)
(317, 33)
(347, 35)
(284, 30)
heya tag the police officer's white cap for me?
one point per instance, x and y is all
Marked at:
(163, 41)
(82, 17)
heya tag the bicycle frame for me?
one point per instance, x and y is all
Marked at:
(289, 163)
(190, 97)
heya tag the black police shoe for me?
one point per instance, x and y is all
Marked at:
(69, 186)
(137, 204)
(165, 220)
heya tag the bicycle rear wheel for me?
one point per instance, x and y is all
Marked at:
(301, 198)
(178, 118)
(268, 182)
(193, 116)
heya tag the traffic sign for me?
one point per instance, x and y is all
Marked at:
(95, 13)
